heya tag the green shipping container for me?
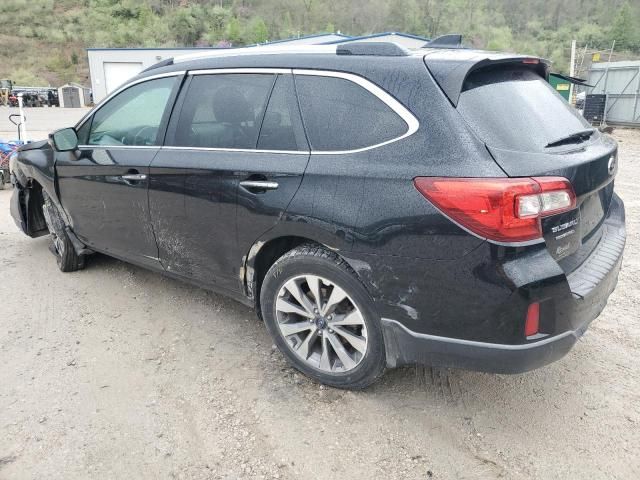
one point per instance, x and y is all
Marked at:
(561, 85)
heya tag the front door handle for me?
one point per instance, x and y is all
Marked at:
(259, 185)
(134, 177)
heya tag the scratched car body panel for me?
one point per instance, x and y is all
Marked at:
(348, 150)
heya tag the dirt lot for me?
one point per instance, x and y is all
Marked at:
(116, 372)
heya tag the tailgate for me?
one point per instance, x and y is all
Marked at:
(531, 131)
(591, 171)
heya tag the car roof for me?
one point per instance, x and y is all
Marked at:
(304, 56)
(449, 66)
(321, 57)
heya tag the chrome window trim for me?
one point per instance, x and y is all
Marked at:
(122, 88)
(111, 147)
(237, 150)
(412, 122)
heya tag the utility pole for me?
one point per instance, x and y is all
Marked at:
(584, 53)
(572, 71)
(23, 121)
(604, 87)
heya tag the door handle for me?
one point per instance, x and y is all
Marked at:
(258, 185)
(134, 177)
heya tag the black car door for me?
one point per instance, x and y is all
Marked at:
(103, 186)
(213, 156)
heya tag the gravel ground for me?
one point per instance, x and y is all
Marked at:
(117, 372)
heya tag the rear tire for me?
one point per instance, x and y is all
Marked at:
(61, 246)
(336, 340)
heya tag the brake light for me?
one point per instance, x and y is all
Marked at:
(499, 209)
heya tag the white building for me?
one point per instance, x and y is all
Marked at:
(111, 67)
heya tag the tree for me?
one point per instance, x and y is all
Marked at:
(234, 31)
(622, 30)
(259, 31)
(44, 28)
(187, 27)
(219, 18)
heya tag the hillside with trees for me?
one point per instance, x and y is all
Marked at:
(44, 41)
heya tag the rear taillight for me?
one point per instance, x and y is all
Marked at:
(499, 209)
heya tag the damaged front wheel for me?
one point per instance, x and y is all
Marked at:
(67, 258)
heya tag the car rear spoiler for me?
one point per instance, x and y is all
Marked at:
(450, 68)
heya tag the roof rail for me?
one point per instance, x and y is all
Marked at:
(380, 49)
(257, 50)
(452, 40)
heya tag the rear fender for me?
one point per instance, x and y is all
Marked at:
(289, 233)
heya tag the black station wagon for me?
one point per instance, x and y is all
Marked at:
(377, 206)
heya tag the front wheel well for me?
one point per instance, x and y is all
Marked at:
(32, 201)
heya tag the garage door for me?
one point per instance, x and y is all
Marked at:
(116, 73)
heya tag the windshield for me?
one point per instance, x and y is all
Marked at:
(516, 109)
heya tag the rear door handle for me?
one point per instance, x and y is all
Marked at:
(258, 185)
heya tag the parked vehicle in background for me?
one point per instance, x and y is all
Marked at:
(378, 207)
(52, 98)
(6, 86)
(31, 96)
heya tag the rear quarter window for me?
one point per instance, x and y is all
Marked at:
(340, 115)
(516, 109)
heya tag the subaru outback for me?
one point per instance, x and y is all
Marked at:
(377, 206)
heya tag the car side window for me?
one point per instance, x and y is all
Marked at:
(83, 132)
(223, 111)
(282, 126)
(133, 116)
(341, 115)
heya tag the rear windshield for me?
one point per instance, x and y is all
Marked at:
(516, 109)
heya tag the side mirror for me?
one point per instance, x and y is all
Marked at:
(64, 140)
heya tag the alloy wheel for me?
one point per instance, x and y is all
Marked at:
(321, 324)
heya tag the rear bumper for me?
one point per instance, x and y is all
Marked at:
(569, 306)
(405, 347)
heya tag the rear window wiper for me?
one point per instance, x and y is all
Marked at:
(582, 135)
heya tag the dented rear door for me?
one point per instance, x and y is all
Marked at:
(226, 173)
